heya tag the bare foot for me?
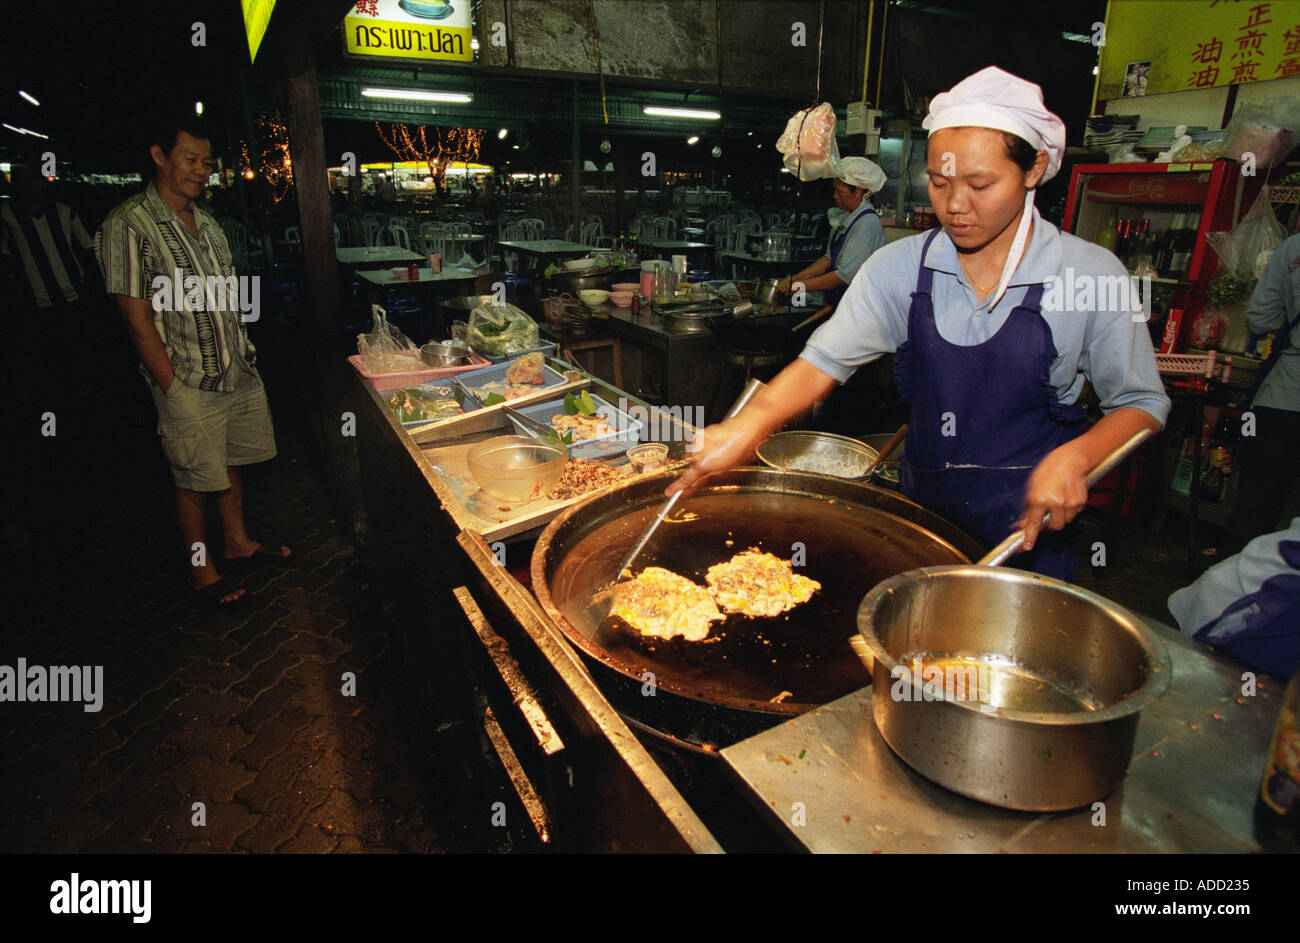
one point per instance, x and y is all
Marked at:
(251, 548)
(203, 577)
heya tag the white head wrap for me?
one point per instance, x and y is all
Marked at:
(992, 98)
(860, 172)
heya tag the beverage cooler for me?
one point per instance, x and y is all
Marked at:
(1155, 218)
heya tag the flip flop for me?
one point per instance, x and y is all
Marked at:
(209, 597)
(262, 556)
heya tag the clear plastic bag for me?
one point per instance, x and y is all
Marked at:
(1247, 247)
(808, 143)
(499, 330)
(386, 349)
(1263, 129)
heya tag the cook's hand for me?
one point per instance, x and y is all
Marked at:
(1057, 486)
(783, 286)
(723, 446)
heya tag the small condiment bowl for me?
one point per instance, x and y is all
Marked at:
(621, 298)
(648, 456)
(593, 296)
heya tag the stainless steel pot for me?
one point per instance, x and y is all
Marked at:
(765, 292)
(1006, 686)
(822, 453)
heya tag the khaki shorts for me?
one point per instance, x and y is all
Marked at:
(205, 432)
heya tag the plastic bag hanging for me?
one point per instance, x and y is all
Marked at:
(808, 143)
(386, 349)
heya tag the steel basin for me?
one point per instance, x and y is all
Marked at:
(822, 453)
(1042, 682)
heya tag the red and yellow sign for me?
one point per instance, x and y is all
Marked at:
(1177, 45)
(434, 30)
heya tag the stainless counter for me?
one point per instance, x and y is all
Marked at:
(1190, 788)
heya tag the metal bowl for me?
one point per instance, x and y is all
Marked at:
(822, 453)
(516, 468)
(444, 355)
(1029, 687)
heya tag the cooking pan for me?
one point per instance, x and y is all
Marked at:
(1006, 686)
(851, 535)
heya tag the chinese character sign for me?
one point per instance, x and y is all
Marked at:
(1191, 44)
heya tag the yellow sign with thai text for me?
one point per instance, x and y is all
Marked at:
(435, 30)
(1157, 46)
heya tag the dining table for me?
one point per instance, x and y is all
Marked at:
(536, 254)
(430, 324)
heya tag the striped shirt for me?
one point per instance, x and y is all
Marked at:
(143, 240)
(48, 258)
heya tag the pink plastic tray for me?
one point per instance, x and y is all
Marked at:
(383, 382)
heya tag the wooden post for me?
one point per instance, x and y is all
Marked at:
(577, 166)
(322, 306)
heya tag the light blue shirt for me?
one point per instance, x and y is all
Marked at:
(1272, 308)
(1112, 348)
(864, 239)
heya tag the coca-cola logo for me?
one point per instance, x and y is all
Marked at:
(1153, 187)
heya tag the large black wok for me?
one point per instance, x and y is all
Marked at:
(852, 536)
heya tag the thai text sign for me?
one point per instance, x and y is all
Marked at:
(439, 30)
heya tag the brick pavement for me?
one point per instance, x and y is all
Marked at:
(241, 711)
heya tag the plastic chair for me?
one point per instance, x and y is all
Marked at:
(372, 233)
(401, 237)
(293, 236)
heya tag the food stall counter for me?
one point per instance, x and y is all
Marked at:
(829, 782)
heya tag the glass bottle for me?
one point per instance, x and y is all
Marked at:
(1277, 806)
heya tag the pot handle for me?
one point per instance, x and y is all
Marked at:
(1011, 546)
(863, 651)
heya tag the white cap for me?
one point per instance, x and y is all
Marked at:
(860, 172)
(992, 98)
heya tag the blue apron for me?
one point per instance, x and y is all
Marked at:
(834, 295)
(982, 417)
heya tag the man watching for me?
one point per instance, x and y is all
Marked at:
(201, 368)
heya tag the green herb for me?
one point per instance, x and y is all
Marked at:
(582, 403)
(1229, 287)
(493, 398)
(801, 753)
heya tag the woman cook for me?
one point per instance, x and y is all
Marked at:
(993, 374)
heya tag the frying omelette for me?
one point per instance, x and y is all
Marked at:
(754, 583)
(661, 603)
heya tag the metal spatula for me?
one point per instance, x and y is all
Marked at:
(745, 396)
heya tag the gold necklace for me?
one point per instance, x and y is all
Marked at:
(980, 288)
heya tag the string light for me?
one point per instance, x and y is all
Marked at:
(459, 145)
(273, 162)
